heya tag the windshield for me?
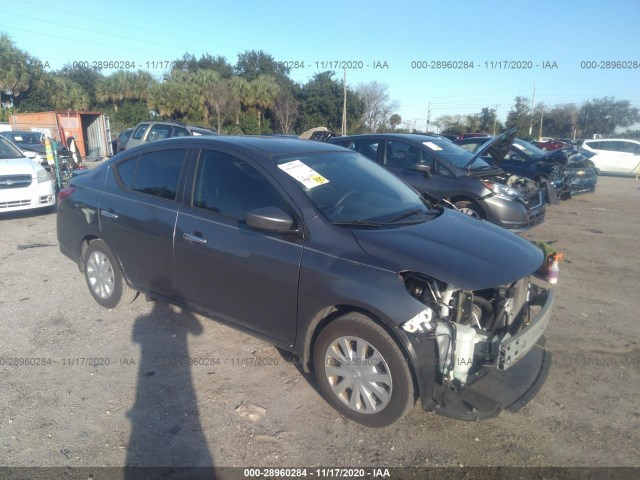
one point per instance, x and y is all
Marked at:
(452, 153)
(29, 138)
(349, 188)
(529, 148)
(7, 150)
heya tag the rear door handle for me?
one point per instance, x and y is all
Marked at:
(108, 214)
(194, 238)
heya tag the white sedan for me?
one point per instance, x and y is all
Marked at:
(24, 184)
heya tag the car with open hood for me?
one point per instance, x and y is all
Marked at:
(325, 254)
(445, 171)
(558, 172)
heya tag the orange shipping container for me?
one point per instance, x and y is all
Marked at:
(91, 130)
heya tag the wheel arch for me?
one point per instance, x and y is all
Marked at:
(331, 313)
(466, 198)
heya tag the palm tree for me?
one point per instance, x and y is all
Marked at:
(241, 95)
(69, 95)
(265, 88)
(15, 66)
(220, 99)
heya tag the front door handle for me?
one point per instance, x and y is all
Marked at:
(108, 214)
(194, 238)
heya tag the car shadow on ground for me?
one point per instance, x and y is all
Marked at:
(291, 358)
(166, 431)
(31, 213)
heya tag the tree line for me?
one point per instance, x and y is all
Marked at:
(598, 116)
(255, 95)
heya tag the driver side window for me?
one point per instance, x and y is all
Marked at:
(406, 156)
(515, 156)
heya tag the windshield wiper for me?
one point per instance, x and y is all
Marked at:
(359, 223)
(406, 214)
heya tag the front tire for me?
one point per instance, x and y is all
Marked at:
(104, 277)
(362, 372)
(469, 208)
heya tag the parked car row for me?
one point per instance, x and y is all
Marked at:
(442, 170)
(560, 173)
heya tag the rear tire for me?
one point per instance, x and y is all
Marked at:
(104, 277)
(362, 372)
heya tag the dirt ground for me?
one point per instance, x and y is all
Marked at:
(109, 388)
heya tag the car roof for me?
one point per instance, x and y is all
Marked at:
(411, 137)
(271, 146)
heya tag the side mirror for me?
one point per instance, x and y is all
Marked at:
(29, 154)
(270, 219)
(426, 169)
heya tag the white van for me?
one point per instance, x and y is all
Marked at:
(614, 155)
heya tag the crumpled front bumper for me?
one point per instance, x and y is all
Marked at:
(522, 368)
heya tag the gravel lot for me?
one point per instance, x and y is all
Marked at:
(133, 400)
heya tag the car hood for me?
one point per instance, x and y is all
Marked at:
(40, 148)
(454, 248)
(498, 145)
(18, 166)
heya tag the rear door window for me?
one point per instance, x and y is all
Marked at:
(127, 171)
(368, 148)
(158, 132)
(180, 132)
(158, 173)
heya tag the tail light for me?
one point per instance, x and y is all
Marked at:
(64, 193)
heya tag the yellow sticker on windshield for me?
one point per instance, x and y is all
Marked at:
(432, 145)
(304, 174)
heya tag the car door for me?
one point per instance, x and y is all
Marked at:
(222, 266)
(621, 156)
(138, 211)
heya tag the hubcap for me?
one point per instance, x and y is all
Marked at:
(100, 275)
(469, 211)
(358, 374)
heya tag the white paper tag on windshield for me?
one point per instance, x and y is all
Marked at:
(431, 145)
(304, 174)
(17, 138)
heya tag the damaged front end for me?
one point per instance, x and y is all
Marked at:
(484, 344)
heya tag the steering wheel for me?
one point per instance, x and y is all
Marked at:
(341, 200)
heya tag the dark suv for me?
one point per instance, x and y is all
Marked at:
(325, 254)
(444, 170)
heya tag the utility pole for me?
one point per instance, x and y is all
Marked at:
(344, 104)
(428, 115)
(495, 119)
(541, 117)
(533, 99)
